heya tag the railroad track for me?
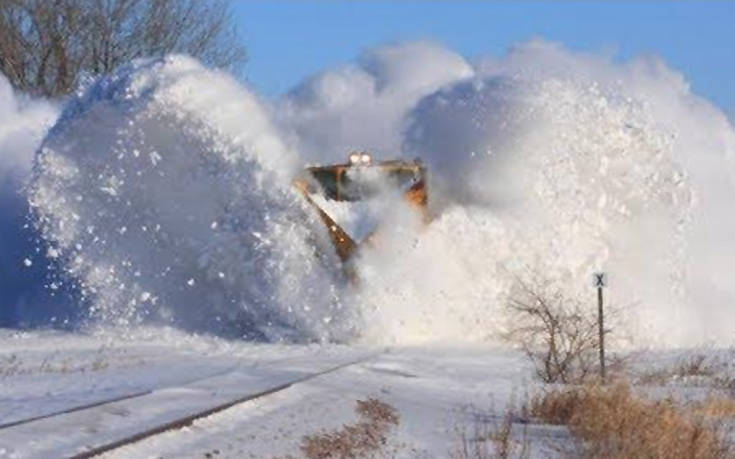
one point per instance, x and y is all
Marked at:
(89, 430)
(118, 398)
(107, 401)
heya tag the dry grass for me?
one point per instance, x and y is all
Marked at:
(367, 436)
(611, 422)
(490, 437)
(555, 406)
(715, 406)
(12, 365)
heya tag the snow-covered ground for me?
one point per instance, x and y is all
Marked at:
(429, 389)
(288, 392)
(173, 374)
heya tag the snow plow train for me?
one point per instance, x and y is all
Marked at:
(359, 179)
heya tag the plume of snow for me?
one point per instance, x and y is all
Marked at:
(166, 192)
(165, 189)
(362, 106)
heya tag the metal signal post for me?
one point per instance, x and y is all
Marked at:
(600, 281)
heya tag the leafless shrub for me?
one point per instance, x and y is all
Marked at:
(368, 435)
(689, 366)
(611, 422)
(726, 383)
(696, 369)
(695, 365)
(46, 46)
(558, 334)
(9, 365)
(100, 363)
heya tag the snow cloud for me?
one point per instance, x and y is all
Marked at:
(363, 105)
(177, 207)
(545, 162)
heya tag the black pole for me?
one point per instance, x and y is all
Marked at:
(600, 323)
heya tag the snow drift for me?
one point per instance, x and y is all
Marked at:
(165, 191)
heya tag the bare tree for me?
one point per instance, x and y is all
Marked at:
(46, 45)
(557, 333)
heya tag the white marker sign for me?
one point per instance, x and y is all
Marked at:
(599, 280)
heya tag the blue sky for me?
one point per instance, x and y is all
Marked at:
(288, 40)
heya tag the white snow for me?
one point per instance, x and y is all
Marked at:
(227, 166)
(57, 371)
(545, 164)
(436, 390)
